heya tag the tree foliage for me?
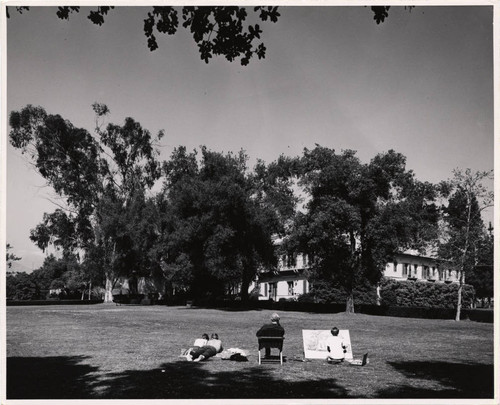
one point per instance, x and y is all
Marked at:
(217, 31)
(100, 180)
(481, 276)
(424, 295)
(463, 228)
(10, 257)
(211, 225)
(54, 273)
(359, 215)
(218, 220)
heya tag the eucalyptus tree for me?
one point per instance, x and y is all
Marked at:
(99, 179)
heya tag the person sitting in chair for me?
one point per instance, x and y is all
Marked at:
(273, 329)
(336, 347)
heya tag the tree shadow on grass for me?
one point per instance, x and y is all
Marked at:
(64, 378)
(458, 380)
(49, 377)
(181, 380)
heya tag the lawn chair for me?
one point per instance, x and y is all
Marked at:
(270, 342)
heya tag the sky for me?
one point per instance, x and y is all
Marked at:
(421, 83)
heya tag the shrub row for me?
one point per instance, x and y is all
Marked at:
(52, 302)
(479, 315)
(423, 295)
(369, 309)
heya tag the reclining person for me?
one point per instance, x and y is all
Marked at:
(200, 342)
(213, 346)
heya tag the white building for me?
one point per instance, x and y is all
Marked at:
(290, 279)
(411, 266)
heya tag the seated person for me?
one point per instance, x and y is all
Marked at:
(213, 346)
(336, 347)
(273, 329)
(200, 342)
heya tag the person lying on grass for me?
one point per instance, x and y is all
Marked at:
(213, 346)
(336, 347)
(200, 342)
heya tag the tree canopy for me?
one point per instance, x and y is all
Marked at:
(359, 215)
(101, 180)
(463, 228)
(219, 219)
(217, 31)
(210, 228)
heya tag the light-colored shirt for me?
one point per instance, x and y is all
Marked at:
(215, 343)
(336, 345)
(200, 342)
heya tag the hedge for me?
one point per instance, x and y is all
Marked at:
(52, 302)
(478, 315)
(423, 295)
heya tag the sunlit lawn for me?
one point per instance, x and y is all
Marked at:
(129, 352)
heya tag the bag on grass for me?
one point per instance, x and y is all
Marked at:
(238, 357)
(233, 354)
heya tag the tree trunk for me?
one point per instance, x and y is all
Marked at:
(349, 306)
(108, 295)
(459, 302)
(459, 298)
(464, 256)
(244, 290)
(379, 298)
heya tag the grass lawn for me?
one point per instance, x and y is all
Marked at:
(130, 352)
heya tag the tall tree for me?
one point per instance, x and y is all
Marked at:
(463, 226)
(359, 216)
(98, 179)
(220, 221)
(481, 276)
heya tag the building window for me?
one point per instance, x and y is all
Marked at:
(405, 269)
(272, 291)
(291, 261)
(290, 288)
(425, 272)
(395, 266)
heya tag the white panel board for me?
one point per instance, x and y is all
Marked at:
(315, 343)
